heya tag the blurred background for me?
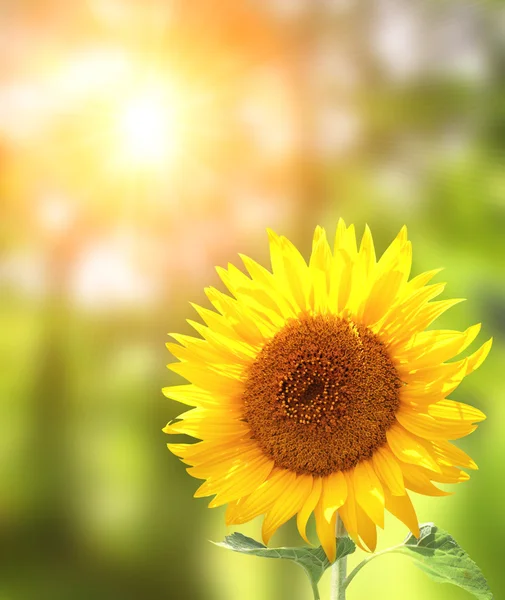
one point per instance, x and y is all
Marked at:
(143, 142)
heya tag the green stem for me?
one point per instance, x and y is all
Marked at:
(339, 567)
(315, 590)
(358, 568)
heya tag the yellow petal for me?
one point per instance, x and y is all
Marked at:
(403, 313)
(255, 299)
(427, 427)
(340, 281)
(415, 319)
(231, 511)
(326, 531)
(334, 494)
(262, 498)
(191, 395)
(286, 505)
(366, 529)
(417, 479)
(407, 448)
(369, 491)
(449, 454)
(308, 507)
(428, 376)
(320, 268)
(218, 382)
(210, 452)
(401, 507)
(450, 475)
(212, 427)
(390, 255)
(202, 353)
(475, 360)
(348, 512)
(422, 393)
(345, 255)
(367, 251)
(455, 411)
(270, 286)
(214, 321)
(382, 295)
(449, 372)
(422, 355)
(389, 471)
(221, 465)
(421, 280)
(424, 317)
(219, 343)
(345, 239)
(290, 268)
(247, 325)
(241, 482)
(362, 275)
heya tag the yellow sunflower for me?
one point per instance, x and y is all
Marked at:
(316, 389)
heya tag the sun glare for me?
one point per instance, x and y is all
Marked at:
(147, 130)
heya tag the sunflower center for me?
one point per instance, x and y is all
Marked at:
(321, 395)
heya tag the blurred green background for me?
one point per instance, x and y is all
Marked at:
(144, 142)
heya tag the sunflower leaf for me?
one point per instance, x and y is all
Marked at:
(438, 554)
(312, 560)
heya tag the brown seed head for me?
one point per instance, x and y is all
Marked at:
(321, 395)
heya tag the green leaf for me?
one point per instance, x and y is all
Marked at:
(312, 560)
(438, 554)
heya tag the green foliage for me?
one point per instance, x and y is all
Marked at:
(435, 552)
(439, 555)
(312, 560)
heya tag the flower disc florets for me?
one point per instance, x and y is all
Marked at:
(321, 395)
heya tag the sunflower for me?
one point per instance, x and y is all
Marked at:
(316, 388)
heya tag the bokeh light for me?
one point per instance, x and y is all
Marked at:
(147, 130)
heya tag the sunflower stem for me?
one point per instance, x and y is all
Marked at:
(339, 567)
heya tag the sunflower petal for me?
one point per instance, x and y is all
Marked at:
(290, 268)
(401, 507)
(362, 274)
(369, 491)
(262, 498)
(326, 531)
(191, 395)
(405, 447)
(267, 283)
(367, 529)
(308, 507)
(450, 475)
(348, 512)
(389, 471)
(455, 411)
(449, 454)
(320, 268)
(422, 355)
(418, 480)
(425, 426)
(286, 505)
(202, 427)
(345, 239)
(334, 494)
(424, 317)
(211, 452)
(241, 482)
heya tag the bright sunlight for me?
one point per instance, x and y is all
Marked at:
(147, 130)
